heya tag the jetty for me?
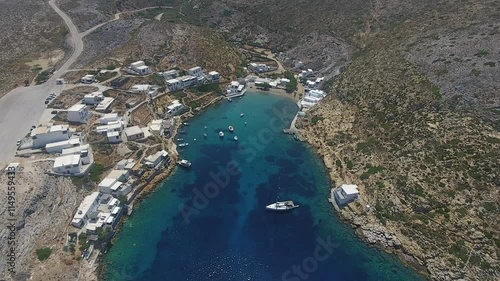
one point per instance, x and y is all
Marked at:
(293, 130)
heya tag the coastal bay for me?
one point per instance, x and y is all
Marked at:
(209, 222)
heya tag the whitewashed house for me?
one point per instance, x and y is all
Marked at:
(105, 104)
(153, 160)
(213, 76)
(134, 133)
(78, 113)
(149, 90)
(188, 81)
(48, 134)
(68, 164)
(109, 117)
(195, 71)
(140, 68)
(88, 205)
(170, 74)
(114, 137)
(93, 98)
(345, 194)
(112, 126)
(83, 151)
(156, 127)
(125, 164)
(88, 79)
(57, 147)
(259, 67)
(174, 85)
(174, 108)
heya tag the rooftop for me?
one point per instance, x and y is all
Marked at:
(76, 149)
(350, 188)
(77, 107)
(67, 160)
(85, 205)
(131, 131)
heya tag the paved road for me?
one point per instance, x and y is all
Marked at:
(23, 107)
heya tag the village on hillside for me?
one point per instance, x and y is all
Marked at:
(114, 129)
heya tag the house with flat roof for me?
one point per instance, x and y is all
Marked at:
(112, 126)
(49, 134)
(78, 113)
(345, 194)
(109, 117)
(114, 137)
(213, 76)
(84, 151)
(88, 205)
(174, 84)
(93, 98)
(169, 74)
(156, 127)
(153, 160)
(57, 147)
(174, 108)
(68, 165)
(88, 79)
(196, 71)
(105, 104)
(134, 133)
(125, 164)
(149, 90)
(140, 68)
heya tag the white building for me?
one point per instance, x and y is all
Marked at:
(125, 164)
(145, 89)
(120, 175)
(48, 134)
(93, 98)
(170, 74)
(88, 205)
(68, 164)
(114, 137)
(153, 160)
(105, 104)
(84, 151)
(109, 117)
(78, 113)
(345, 194)
(284, 81)
(88, 79)
(258, 67)
(156, 127)
(112, 126)
(174, 108)
(195, 71)
(57, 147)
(213, 76)
(188, 81)
(140, 68)
(134, 133)
(174, 84)
(114, 187)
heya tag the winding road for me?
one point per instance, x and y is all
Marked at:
(24, 107)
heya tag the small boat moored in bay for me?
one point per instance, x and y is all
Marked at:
(221, 134)
(235, 138)
(184, 144)
(230, 128)
(184, 163)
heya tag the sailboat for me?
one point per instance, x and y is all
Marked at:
(279, 206)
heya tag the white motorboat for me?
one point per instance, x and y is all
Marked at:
(184, 163)
(235, 138)
(281, 206)
(221, 134)
(230, 128)
(183, 144)
(205, 135)
(242, 114)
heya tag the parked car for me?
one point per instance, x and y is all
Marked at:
(18, 142)
(53, 112)
(47, 101)
(33, 126)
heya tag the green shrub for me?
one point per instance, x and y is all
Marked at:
(43, 253)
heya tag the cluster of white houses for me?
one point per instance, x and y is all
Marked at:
(311, 98)
(194, 77)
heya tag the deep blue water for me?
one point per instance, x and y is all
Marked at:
(225, 233)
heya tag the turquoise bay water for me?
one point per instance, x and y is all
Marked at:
(209, 222)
